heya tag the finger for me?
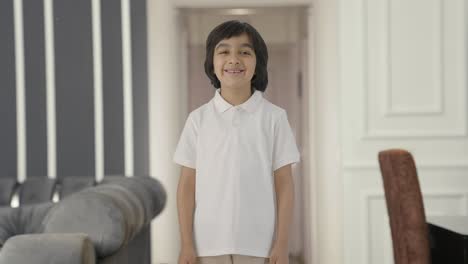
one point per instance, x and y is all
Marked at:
(272, 260)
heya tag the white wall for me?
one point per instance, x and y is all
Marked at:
(165, 109)
(403, 72)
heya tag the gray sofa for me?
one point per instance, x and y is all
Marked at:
(105, 223)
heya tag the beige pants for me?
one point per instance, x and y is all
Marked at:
(232, 259)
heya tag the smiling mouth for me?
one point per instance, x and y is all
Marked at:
(237, 71)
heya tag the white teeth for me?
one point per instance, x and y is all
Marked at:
(233, 71)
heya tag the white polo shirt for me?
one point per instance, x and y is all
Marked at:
(235, 150)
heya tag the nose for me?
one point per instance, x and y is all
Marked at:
(233, 59)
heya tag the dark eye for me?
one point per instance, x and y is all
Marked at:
(223, 52)
(245, 53)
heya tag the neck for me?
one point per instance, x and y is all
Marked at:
(236, 96)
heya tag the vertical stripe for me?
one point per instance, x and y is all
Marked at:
(35, 89)
(74, 92)
(112, 87)
(8, 135)
(98, 108)
(50, 88)
(140, 88)
(20, 97)
(127, 87)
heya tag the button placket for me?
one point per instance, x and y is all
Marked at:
(236, 117)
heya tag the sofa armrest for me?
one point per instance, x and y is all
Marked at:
(111, 214)
(48, 249)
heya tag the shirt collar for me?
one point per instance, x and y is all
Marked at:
(249, 105)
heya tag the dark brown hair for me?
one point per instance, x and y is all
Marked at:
(234, 28)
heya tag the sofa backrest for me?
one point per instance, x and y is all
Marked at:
(7, 188)
(40, 189)
(69, 185)
(36, 190)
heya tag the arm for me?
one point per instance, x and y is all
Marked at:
(284, 187)
(185, 207)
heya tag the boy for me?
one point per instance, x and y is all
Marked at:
(235, 193)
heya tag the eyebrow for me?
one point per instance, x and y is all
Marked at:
(225, 45)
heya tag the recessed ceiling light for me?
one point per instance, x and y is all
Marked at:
(240, 11)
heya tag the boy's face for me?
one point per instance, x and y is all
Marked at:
(234, 62)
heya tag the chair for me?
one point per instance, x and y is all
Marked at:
(410, 235)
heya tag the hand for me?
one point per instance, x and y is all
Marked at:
(187, 255)
(279, 255)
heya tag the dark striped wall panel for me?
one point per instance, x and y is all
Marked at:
(112, 87)
(74, 88)
(35, 88)
(140, 94)
(140, 87)
(8, 150)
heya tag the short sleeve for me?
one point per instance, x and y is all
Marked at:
(186, 150)
(285, 149)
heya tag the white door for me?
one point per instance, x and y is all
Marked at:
(403, 85)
